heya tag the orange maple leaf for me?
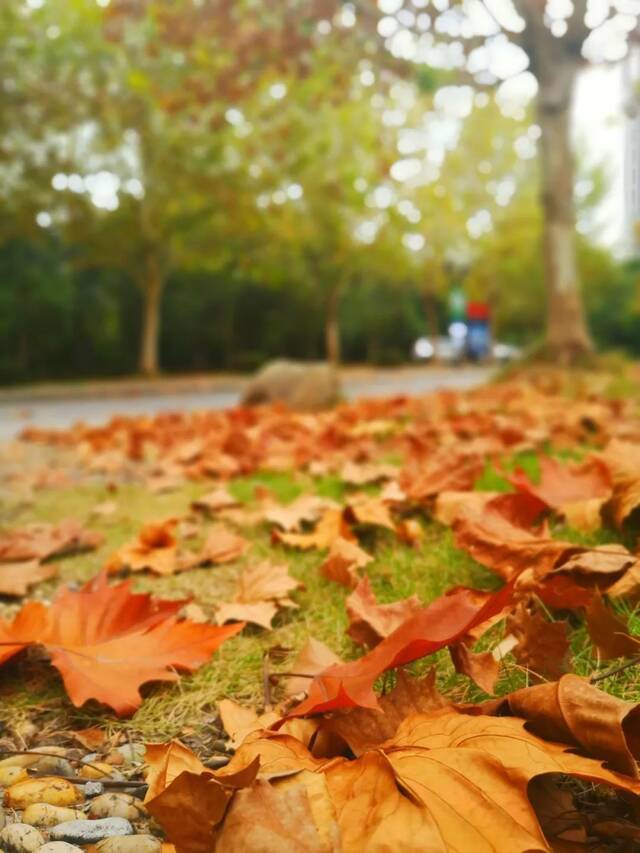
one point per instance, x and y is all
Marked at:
(107, 641)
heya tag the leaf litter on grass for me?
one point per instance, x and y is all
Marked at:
(300, 700)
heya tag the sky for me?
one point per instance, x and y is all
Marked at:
(599, 133)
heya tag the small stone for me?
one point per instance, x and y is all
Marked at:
(133, 753)
(117, 805)
(130, 844)
(99, 770)
(44, 814)
(115, 758)
(20, 838)
(54, 765)
(10, 775)
(90, 758)
(93, 789)
(90, 831)
(19, 761)
(59, 847)
(49, 789)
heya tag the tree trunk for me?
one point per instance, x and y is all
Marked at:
(567, 336)
(151, 287)
(332, 327)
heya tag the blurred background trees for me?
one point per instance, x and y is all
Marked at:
(205, 185)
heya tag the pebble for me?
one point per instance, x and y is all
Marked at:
(59, 847)
(130, 844)
(117, 805)
(10, 775)
(54, 765)
(132, 752)
(93, 789)
(99, 770)
(44, 814)
(48, 789)
(90, 831)
(20, 838)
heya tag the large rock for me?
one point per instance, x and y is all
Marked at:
(305, 386)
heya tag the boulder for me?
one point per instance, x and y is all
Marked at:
(304, 386)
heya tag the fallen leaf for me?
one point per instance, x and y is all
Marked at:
(445, 472)
(371, 511)
(410, 530)
(443, 622)
(370, 622)
(564, 485)
(330, 527)
(303, 508)
(262, 590)
(575, 712)
(542, 646)
(154, 549)
(104, 509)
(609, 632)
(622, 458)
(359, 474)
(187, 799)
(42, 541)
(451, 505)
(107, 641)
(343, 561)
(215, 500)
(239, 722)
(291, 818)
(363, 728)
(221, 546)
(313, 658)
(480, 667)
(17, 578)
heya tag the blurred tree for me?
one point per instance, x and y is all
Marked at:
(485, 44)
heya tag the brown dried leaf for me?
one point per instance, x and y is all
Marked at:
(609, 632)
(17, 578)
(370, 622)
(343, 561)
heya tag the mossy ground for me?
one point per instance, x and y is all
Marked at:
(30, 688)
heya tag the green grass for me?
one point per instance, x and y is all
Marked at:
(28, 687)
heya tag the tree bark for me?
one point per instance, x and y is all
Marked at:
(151, 287)
(332, 327)
(567, 338)
(555, 63)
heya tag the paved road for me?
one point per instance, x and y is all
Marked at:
(16, 414)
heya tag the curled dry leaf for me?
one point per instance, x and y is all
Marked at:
(107, 641)
(576, 491)
(186, 798)
(501, 538)
(363, 728)
(42, 541)
(370, 622)
(262, 590)
(442, 623)
(363, 509)
(330, 527)
(577, 713)
(17, 578)
(154, 549)
(439, 768)
(343, 561)
(622, 458)
(609, 632)
(313, 658)
(542, 646)
(480, 667)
